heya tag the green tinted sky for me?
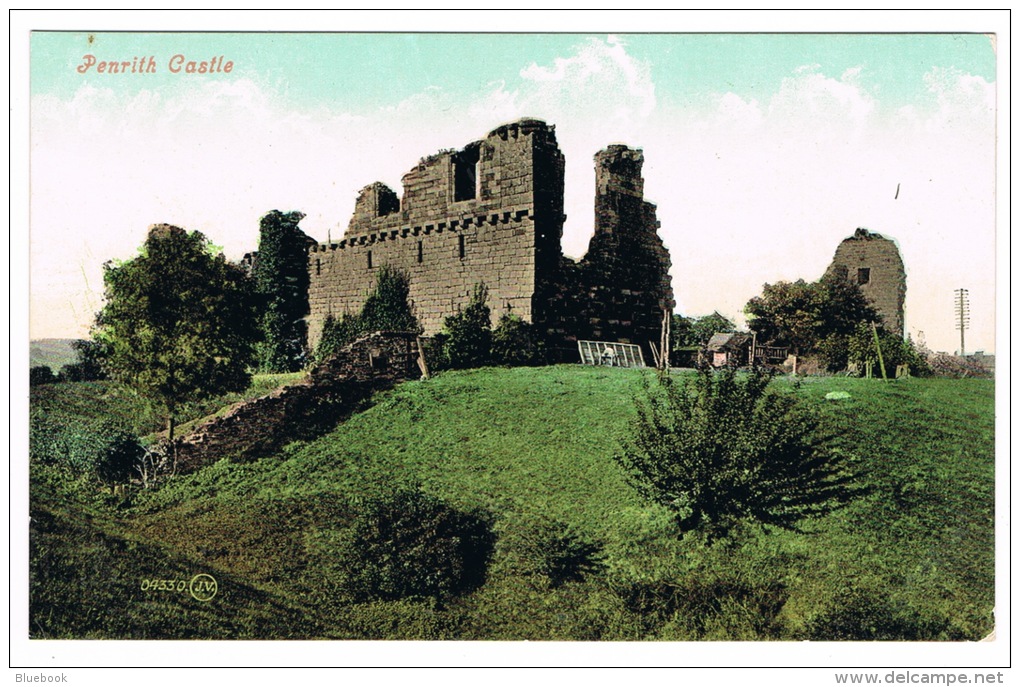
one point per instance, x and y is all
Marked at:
(806, 135)
(367, 70)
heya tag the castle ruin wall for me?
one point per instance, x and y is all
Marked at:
(874, 263)
(465, 217)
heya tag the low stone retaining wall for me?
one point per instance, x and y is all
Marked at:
(330, 392)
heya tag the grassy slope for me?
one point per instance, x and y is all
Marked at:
(532, 445)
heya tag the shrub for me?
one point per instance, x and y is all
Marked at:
(410, 545)
(468, 340)
(514, 342)
(388, 307)
(895, 351)
(41, 374)
(336, 334)
(727, 448)
(94, 449)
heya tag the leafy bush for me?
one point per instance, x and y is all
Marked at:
(895, 351)
(727, 449)
(468, 341)
(94, 449)
(410, 545)
(387, 308)
(514, 342)
(336, 334)
(41, 374)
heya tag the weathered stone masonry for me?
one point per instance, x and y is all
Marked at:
(330, 391)
(465, 217)
(493, 213)
(874, 263)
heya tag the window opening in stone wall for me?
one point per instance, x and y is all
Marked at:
(460, 246)
(863, 275)
(465, 174)
(420, 252)
(318, 266)
(369, 259)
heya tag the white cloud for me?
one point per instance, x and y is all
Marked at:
(765, 191)
(748, 190)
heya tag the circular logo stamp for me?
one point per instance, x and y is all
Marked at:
(203, 587)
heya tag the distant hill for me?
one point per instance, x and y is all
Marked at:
(54, 353)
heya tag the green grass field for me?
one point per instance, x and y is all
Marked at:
(531, 450)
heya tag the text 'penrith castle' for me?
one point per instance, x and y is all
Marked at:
(492, 213)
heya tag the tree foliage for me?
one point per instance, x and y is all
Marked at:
(387, 308)
(88, 367)
(816, 317)
(727, 449)
(468, 333)
(861, 350)
(786, 313)
(696, 331)
(178, 324)
(280, 275)
(514, 342)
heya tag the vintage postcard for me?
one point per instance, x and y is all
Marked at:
(610, 339)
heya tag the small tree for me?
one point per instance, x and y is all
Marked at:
(468, 340)
(726, 448)
(179, 322)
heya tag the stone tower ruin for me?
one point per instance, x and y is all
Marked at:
(492, 213)
(873, 262)
(625, 279)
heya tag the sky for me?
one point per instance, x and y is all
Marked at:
(762, 151)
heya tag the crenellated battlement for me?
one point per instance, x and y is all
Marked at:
(451, 224)
(492, 212)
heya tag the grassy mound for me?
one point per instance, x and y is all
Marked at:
(577, 554)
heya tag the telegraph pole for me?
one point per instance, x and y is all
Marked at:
(962, 314)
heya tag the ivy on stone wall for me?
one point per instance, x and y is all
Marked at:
(280, 275)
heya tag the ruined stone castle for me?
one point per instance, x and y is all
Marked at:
(492, 213)
(873, 262)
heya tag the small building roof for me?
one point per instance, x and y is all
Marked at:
(727, 341)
